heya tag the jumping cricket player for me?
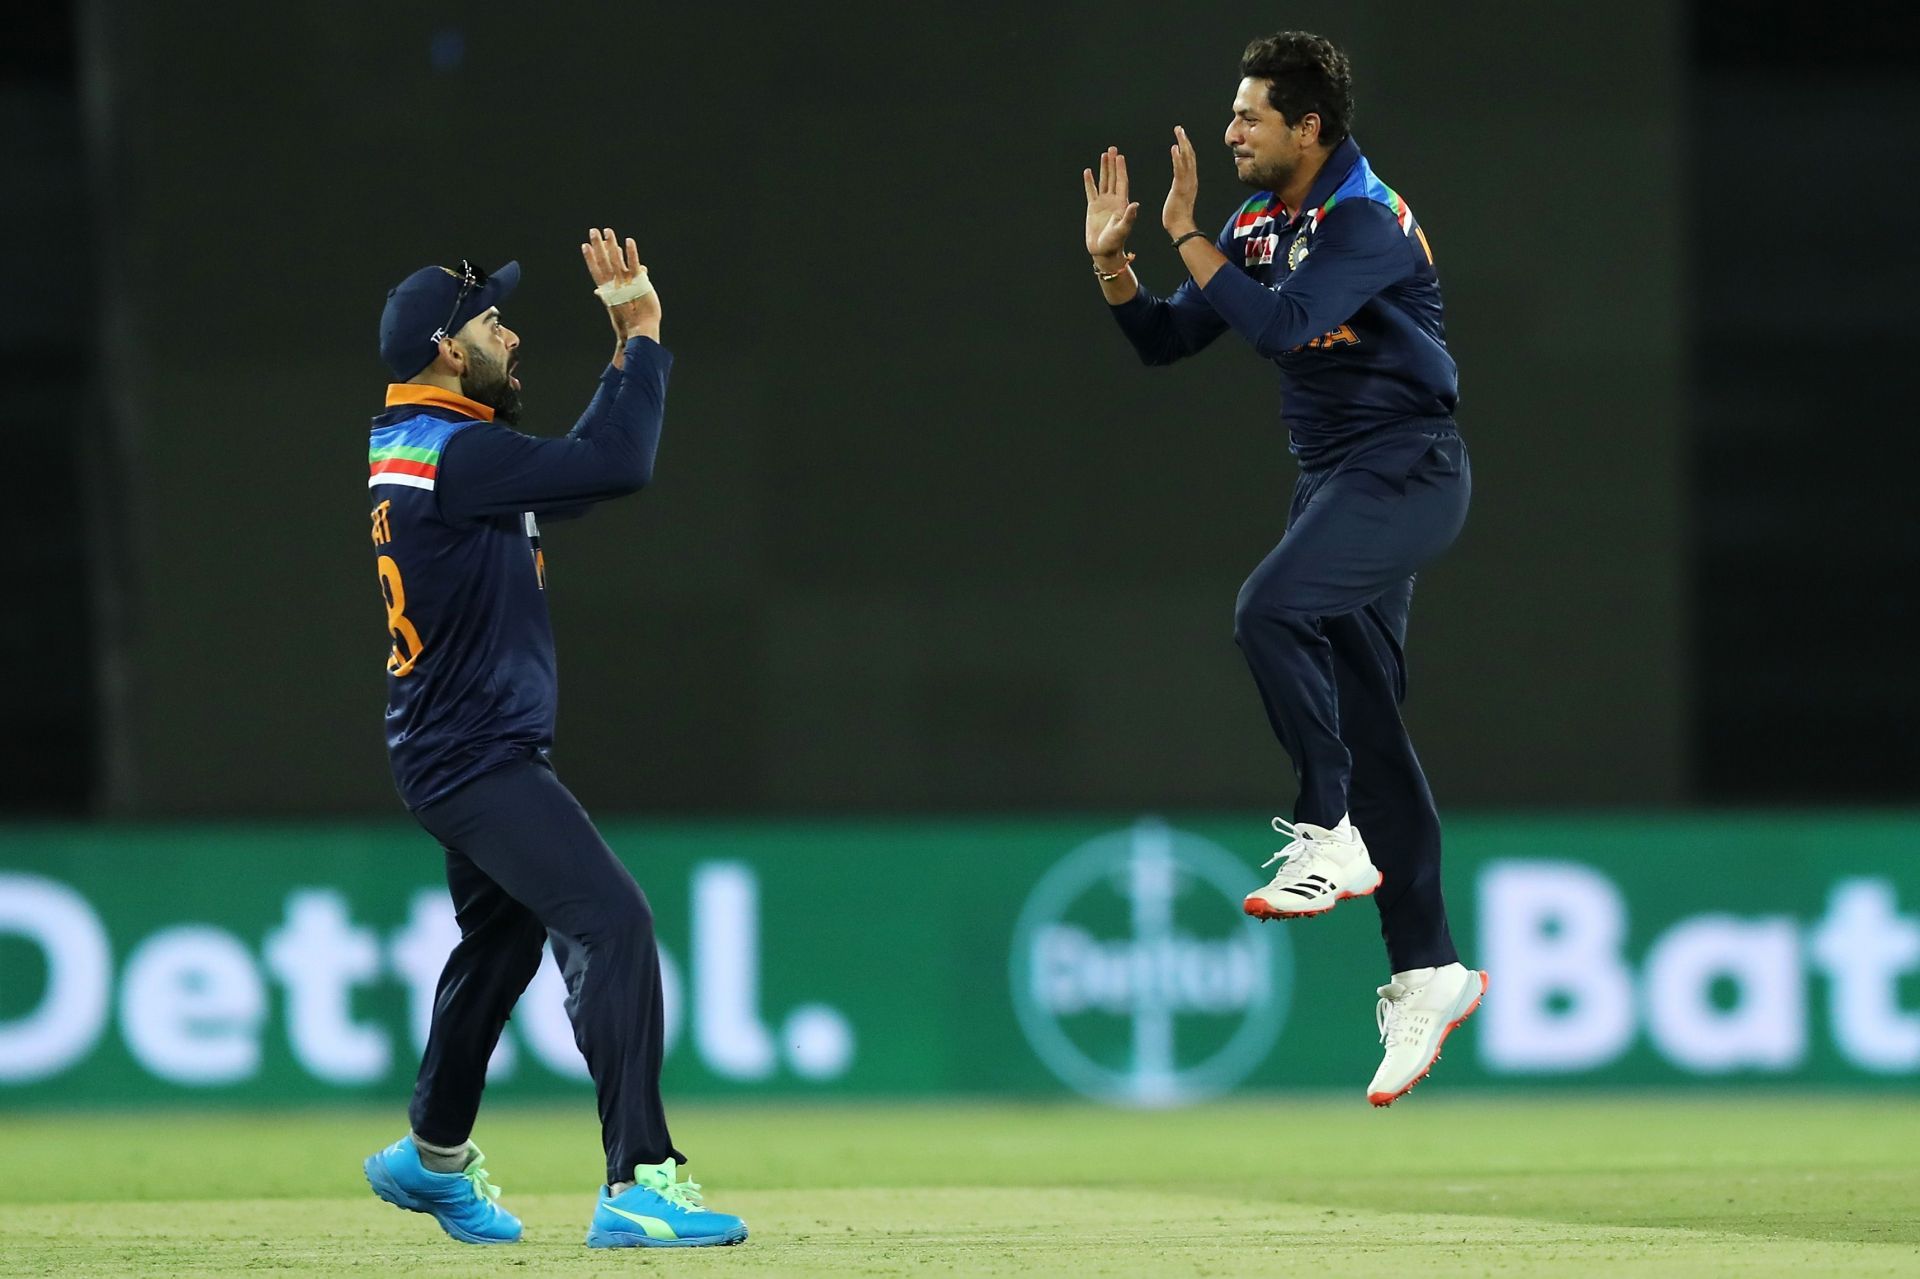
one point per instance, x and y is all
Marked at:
(1326, 273)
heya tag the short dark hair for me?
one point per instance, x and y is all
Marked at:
(1305, 73)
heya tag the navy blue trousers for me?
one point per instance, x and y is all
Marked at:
(1323, 624)
(525, 864)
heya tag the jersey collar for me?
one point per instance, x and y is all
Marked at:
(404, 393)
(1340, 162)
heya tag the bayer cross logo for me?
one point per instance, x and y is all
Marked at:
(1135, 976)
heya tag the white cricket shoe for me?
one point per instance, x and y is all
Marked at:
(1322, 869)
(1418, 1010)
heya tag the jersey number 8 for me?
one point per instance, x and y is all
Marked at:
(406, 639)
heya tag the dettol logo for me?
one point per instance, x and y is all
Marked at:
(1135, 976)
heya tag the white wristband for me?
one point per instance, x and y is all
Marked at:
(616, 294)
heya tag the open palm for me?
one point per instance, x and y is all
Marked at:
(608, 265)
(1110, 213)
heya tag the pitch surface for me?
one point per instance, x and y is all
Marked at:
(1437, 1186)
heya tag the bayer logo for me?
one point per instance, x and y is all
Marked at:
(1135, 976)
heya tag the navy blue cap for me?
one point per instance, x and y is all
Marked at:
(436, 302)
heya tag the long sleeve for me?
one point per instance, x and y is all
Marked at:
(596, 412)
(1163, 330)
(1358, 250)
(492, 470)
(597, 407)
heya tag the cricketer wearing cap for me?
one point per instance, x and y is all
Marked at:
(1327, 274)
(457, 498)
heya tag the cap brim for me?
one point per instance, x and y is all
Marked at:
(498, 288)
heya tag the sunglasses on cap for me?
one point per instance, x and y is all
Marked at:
(471, 278)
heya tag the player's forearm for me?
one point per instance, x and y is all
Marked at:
(1163, 330)
(645, 327)
(1148, 326)
(1271, 319)
(610, 378)
(1203, 260)
(1358, 251)
(602, 400)
(633, 421)
(491, 471)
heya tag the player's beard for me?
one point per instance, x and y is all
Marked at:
(1272, 176)
(487, 382)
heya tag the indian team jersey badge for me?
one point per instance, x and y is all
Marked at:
(1297, 251)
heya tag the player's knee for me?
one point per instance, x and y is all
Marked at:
(527, 941)
(1266, 607)
(637, 915)
(623, 917)
(1246, 616)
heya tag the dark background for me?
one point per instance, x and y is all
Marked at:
(924, 534)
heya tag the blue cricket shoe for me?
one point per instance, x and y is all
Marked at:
(462, 1202)
(658, 1212)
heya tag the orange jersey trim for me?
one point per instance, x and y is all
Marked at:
(399, 393)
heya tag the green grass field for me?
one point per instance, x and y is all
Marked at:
(1437, 1186)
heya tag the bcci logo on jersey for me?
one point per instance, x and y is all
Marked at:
(1135, 976)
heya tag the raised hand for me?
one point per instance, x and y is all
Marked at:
(1110, 212)
(608, 264)
(1177, 214)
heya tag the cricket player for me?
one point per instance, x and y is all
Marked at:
(457, 498)
(1326, 273)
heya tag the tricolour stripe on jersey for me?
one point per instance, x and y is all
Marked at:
(409, 464)
(378, 452)
(1363, 184)
(1262, 208)
(395, 477)
(408, 452)
(405, 466)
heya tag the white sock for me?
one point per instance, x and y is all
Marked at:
(443, 1158)
(619, 1188)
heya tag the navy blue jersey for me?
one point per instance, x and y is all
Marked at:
(457, 500)
(1341, 295)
